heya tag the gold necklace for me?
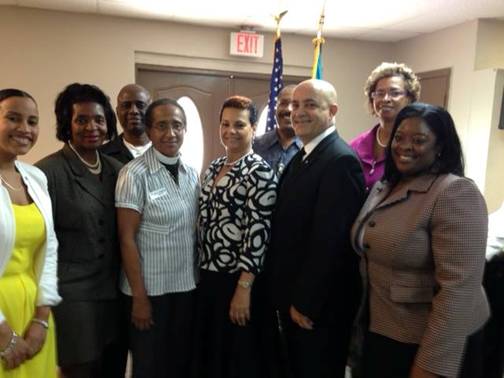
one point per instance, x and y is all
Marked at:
(2, 179)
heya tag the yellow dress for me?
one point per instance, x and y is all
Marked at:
(18, 292)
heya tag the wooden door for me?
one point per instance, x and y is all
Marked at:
(207, 90)
(435, 87)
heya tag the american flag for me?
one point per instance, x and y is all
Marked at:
(276, 84)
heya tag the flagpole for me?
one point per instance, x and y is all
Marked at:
(276, 81)
(278, 18)
(318, 42)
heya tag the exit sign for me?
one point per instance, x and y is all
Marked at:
(247, 44)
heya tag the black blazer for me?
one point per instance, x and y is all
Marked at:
(85, 224)
(310, 263)
(116, 149)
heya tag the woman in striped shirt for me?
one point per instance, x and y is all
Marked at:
(157, 202)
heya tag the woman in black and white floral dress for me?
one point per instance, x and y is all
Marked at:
(237, 199)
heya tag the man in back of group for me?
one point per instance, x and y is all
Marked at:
(132, 102)
(279, 146)
(311, 268)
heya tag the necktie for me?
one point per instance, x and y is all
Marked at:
(292, 169)
(298, 161)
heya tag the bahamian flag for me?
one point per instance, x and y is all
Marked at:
(317, 61)
(276, 83)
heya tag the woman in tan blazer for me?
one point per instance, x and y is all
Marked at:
(422, 235)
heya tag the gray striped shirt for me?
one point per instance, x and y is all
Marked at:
(166, 238)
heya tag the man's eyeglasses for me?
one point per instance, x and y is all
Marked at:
(393, 93)
(163, 127)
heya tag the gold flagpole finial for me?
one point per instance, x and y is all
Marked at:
(278, 18)
(319, 38)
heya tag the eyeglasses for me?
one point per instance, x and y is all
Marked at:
(393, 93)
(163, 127)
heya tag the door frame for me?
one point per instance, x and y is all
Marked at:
(198, 71)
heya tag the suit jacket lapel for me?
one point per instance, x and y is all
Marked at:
(420, 184)
(83, 177)
(293, 174)
(296, 168)
(380, 197)
(121, 147)
(318, 151)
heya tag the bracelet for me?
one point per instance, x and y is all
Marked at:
(43, 323)
(245, 284)
(10, 346)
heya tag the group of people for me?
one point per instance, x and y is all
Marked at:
(265, 266)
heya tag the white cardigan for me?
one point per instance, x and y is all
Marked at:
(46, 263)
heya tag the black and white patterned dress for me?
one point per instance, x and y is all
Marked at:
(235, 215)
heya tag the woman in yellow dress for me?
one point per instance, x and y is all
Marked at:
(28, 284)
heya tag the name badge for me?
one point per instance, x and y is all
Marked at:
(157, 194)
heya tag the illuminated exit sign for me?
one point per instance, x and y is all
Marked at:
(247, 44)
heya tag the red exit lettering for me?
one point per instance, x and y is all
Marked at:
(246, 43)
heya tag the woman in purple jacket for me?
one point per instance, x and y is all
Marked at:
(389, 88)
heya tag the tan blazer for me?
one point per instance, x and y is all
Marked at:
(423, 251)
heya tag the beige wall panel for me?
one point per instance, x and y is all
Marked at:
(45, 50)
(452, 48)
(494, 189)
(490, 44)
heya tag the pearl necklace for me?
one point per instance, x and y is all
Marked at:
(2, 179)
(382, 145)
(95, 168)
(232, 163)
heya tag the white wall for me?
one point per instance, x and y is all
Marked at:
(48, 50)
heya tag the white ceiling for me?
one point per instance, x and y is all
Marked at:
(376, 20)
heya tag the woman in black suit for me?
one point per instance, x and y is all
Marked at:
(81, 185)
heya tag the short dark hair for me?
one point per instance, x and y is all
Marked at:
(450, 158)
(77, 93)
(12, 92)
(243, 103)
(162, 101)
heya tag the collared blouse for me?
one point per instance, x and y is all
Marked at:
(166, 236)
(235, 215)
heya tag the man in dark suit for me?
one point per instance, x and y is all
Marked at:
(311, 268)
(132, 102)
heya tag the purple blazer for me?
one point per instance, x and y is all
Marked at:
(363, 146)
